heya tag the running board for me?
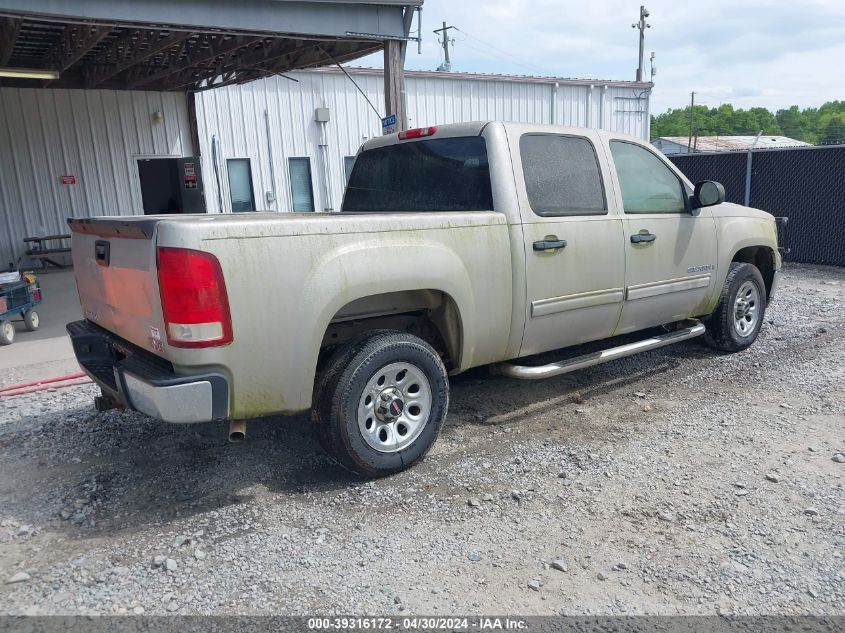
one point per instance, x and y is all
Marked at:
(523, 372)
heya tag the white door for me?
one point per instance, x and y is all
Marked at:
(574, 254)
(670, 251)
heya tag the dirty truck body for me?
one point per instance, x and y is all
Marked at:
(458, 246)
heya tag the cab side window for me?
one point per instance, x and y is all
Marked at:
(561, 175)
(647, 184)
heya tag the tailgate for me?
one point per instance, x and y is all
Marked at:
(114, 264)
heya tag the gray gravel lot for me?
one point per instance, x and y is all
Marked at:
(675, 482)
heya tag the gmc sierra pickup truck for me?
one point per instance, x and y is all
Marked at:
(457, 246)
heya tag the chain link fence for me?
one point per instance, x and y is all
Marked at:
(805, 184)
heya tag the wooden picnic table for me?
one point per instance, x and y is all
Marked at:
(38, 249)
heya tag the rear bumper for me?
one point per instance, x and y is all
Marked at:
(142, 381)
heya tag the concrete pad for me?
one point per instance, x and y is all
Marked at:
(50, 343)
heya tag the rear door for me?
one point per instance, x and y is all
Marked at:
(670, 252)
(574, 254)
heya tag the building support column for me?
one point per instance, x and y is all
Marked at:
(193, 130)
(394, 81)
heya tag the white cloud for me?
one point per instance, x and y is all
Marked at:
(751, 53)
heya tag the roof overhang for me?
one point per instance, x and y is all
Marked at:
(188, 44)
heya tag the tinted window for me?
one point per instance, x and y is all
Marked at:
(647, 184)
(448, 174)
(561, 175)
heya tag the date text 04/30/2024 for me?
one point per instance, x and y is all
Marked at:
(417, 623)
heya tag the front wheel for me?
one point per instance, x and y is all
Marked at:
(738, 317)
(381, 402)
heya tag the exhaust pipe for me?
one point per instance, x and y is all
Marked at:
(237, 431)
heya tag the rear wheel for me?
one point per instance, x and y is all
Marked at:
(381, 402)
(31, 320)
(7, 332)
(738, 317)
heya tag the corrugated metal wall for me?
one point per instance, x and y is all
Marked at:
(98, 135)
(94, 135)
(235, 117)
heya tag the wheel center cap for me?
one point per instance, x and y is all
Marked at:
(390, 405)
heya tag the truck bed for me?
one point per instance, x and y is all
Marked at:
(287, 277)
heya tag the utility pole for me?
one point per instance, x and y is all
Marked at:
(446, 66)
(642, 25)
(691, 106)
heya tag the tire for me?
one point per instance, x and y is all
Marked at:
(31, 320)
(738, 317)
(380, 403)
(7, 332)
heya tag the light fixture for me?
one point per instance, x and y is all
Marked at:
(158, 116)
(29, 73)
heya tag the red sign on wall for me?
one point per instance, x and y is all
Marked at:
(67, 180)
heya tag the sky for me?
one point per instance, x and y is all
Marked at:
(746, 52)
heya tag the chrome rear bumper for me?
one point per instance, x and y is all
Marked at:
(144, 382)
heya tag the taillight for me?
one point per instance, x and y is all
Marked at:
(193, 298)
(417, 133)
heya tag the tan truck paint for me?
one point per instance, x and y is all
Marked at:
(292, 278)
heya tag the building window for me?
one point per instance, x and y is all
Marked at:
(348, 161)
(300, 184)
(240, 184)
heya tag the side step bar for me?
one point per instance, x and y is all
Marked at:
(523, 372)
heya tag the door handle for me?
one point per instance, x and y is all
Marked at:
(552, 244)
(102, 252)
(643, 236)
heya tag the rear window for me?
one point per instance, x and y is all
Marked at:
(447, 174)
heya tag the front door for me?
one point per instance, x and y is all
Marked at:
(670, 252)
(572, 240)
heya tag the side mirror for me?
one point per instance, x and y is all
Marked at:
(707, 193)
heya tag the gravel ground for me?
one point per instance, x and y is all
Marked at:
(675, 482)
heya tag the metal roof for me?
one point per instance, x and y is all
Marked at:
(437, 74)
(727, 143)
(188, 44)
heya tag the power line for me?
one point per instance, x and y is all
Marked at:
(496, 50)
(349, 77)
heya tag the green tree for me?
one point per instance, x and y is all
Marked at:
(792, 123)
(832, 129)
(812, 125)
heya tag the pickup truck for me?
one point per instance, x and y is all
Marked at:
(457, 246)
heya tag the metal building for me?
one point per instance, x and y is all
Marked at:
(88, 144)
(94, 93)
(263, 147)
